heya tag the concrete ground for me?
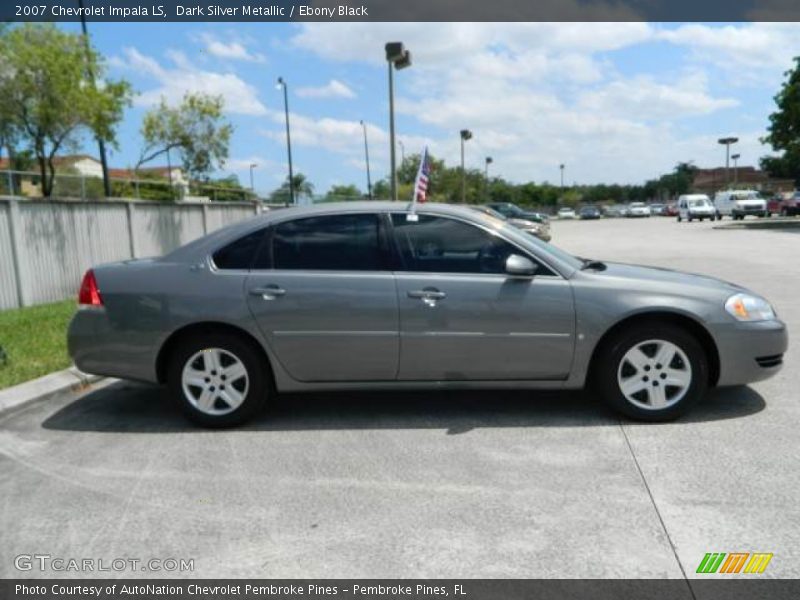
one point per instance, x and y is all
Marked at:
(449, 485)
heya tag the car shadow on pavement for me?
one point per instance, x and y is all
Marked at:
(127, 407)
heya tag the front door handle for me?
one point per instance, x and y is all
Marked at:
(269, 292)
(429, 295)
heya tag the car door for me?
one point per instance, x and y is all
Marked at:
(463, 318)
(327, 302)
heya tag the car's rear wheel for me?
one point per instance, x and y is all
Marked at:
(653, 372)
(218, 380)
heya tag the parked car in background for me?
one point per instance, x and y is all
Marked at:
(512, 211)
(695, 206)
(658, 209)
(358, 296)
(540, 230)
(566, 213)
(789, 205)
(637, 209)
(614, 210)
(671, 210)
(737, 204)
(775, 202)
(589, 212)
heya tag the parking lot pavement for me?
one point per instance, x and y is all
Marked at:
(449, 484)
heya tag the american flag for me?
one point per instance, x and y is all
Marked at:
(423, 177)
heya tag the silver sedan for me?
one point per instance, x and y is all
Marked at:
(373, 295)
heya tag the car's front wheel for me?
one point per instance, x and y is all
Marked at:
(653, 372)
(218, 380)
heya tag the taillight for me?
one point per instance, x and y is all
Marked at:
(89, 294)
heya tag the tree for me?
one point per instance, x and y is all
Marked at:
(784, 129)
(343, 193)
(196, 128)
(48, 98)
(301, 185)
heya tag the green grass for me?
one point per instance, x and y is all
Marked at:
(34, 340)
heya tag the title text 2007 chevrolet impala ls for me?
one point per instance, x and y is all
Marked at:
(362, 296)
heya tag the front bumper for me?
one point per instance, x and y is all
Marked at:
(750, 352)
(749, 210)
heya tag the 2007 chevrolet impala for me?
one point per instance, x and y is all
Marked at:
(362, 295)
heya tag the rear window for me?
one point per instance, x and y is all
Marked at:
(241, 253)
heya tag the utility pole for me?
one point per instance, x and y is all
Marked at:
(465, 134)
(101, 145)
(398, 58)
(366, 157)
(282, 84)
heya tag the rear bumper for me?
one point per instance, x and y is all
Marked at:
(751, 352)
(100, 349)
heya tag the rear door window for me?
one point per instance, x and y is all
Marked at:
(348, 242)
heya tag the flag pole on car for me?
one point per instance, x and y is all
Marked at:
(421, 184)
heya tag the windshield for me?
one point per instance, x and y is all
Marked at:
(698, 202)
(637, 205)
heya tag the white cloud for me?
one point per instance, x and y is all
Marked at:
(173, 82)
(231, 50)
(749, 52)
(644, 98)
(333, 89)
(538, 94)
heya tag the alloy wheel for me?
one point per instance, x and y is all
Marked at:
(215, 381)
(654, 374)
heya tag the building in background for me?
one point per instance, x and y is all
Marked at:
(709, 181)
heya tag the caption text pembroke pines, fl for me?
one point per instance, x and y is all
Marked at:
(191, 10)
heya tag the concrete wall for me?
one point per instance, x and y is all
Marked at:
(46, 246)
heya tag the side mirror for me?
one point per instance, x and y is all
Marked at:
(519, 266)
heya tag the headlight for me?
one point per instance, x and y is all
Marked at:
(744, 307)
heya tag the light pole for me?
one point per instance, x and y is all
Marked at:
(561, 167)
(402, 152)
(727, 141)
(282, 84)
(465, 134)
(735, 158)
(101, 146)
(252, 166)
(487, 161)
(366, 156)
(398, 58)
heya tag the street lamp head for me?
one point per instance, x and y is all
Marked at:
(281, 84)
(466, 134)
(728, 140)
(561, 166)
(253, 165)
(735, 156)
(489, 160)
(394, 51)
(404, 61)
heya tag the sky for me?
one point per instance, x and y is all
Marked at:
(614, 102)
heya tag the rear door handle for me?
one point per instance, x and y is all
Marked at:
(429, 295)
(269, 292)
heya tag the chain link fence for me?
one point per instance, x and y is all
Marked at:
(27, 184)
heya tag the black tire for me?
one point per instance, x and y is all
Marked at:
(257, 371)
(690, 218)
(610, 356)
(679, 219)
